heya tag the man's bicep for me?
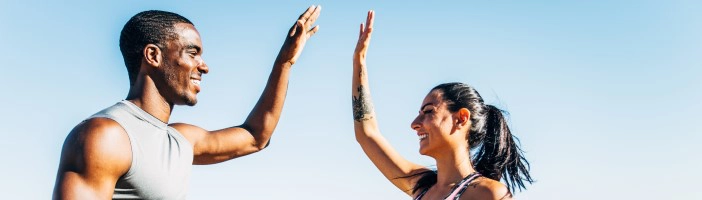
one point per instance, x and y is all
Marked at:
(211, 147)
(72, 185)
(95, 154)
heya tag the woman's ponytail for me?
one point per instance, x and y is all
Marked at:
(498, 156)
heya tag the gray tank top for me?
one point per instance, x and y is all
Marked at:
(161, 156)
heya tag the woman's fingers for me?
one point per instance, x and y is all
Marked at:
(369, 19)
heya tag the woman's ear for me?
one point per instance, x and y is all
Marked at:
(463, 117)
(153, 55)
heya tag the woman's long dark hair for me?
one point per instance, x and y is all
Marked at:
(498, 156)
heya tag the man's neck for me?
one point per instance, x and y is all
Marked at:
(146, 96)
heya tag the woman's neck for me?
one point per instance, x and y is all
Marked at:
(452, 167)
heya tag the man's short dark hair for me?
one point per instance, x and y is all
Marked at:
(148, 27)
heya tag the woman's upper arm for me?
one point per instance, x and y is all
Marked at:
(398, 170)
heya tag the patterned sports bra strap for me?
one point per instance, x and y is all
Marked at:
(419, 197)
(456, 194)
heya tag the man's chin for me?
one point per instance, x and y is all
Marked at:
(188, 101)
(191, 102)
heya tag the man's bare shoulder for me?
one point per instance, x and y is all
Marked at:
(95, 154)
(97, 141)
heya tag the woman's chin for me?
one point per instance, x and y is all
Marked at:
(423, 151)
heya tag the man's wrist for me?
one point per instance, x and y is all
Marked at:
(287, 64)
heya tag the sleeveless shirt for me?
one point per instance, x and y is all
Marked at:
(161, 156)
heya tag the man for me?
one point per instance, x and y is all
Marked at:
(130, 151)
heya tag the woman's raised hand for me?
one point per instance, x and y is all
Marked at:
(364, 36)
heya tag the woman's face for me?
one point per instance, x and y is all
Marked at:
(435, 125)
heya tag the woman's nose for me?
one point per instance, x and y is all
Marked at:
(415, 123)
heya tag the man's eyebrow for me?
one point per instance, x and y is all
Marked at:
(193, 46)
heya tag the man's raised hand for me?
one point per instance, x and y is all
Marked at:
(298, 35)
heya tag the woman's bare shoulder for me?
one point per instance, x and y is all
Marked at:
(484, 189)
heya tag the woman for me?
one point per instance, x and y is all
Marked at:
(453, 121)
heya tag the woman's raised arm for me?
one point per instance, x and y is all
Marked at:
(397, 169)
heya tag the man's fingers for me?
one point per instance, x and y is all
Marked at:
(305, 20)
(312, 31)
(299, 27)
(304, 16)
(291, 32)
(313, 17)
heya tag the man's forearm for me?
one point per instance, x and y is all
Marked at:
(264, 117)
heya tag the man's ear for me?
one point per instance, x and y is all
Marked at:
(153, 56)
(463, 117)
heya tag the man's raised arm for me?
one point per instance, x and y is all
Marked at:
(253, 135)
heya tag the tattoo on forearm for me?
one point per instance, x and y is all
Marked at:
(362, 106)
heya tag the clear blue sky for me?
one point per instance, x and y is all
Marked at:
(604, 95)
